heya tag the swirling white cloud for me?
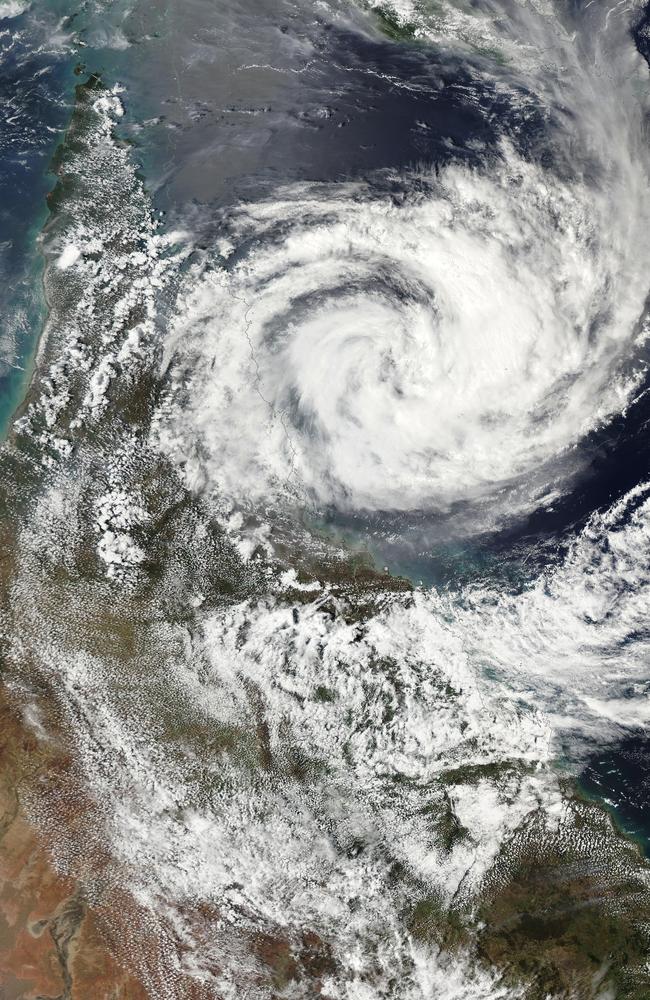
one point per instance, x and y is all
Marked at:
(415, 347)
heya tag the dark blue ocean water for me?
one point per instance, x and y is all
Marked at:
(619, 777)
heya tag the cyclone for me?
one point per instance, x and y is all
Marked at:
(427, 337)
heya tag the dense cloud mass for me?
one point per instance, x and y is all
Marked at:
(424, 339)
(409, 349)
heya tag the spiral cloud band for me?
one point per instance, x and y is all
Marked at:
(431, 340)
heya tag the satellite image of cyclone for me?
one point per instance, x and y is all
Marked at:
(325, 500)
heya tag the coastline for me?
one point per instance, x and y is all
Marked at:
(37, 62)
(45, 259)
